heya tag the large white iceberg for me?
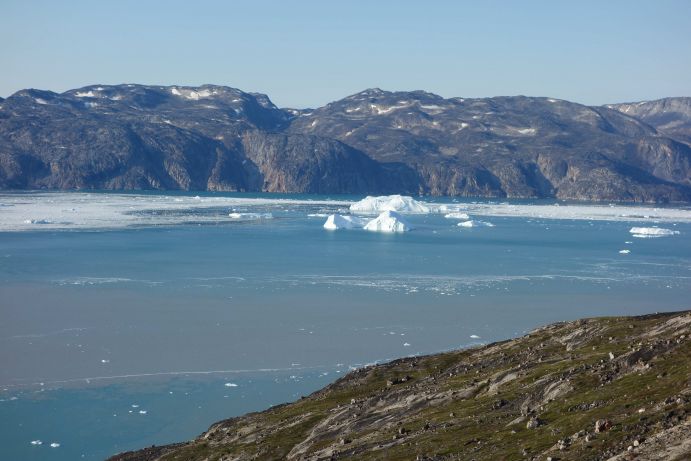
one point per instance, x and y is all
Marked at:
(651, 232)
(337, 221)
(399, 203)
(388, 221)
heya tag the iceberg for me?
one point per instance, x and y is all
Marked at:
(337, 221)
(388, 221)
(652, 232)
(472, 223)
(399, 203)
(456, 215)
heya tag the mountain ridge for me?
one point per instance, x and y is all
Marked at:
(220, 138)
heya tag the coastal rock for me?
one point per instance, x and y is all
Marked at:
(448, 403)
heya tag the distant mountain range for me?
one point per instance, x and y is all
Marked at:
(223, 139)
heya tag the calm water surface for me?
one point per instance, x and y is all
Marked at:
(121, 338)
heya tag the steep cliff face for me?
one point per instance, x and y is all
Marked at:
(220, 138)
(304, 163)
(596, 389)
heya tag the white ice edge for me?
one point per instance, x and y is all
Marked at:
(80, 210)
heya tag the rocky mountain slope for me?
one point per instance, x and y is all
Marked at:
(671, 116)
(595, 389)
(219, 138)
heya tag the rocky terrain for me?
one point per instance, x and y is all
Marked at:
(223, 139)
(594, 389)
(671, 116)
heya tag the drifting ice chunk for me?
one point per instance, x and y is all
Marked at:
(474, 337)
(230, 385)
(55, 445)
(250, 216)
(400, 203)
(388, 221)
(651, 232)
(456, 215)
(36, 442)
(624, 252)
(472, 223)
(337, 221)
(37, 221)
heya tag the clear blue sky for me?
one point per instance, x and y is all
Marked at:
(307, 53)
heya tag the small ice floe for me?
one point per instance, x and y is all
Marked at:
(105, 361)
(250, 216)
(55, 445)
(230, 385)
(337, 221)
(651, 232)
(399, 203)
(474, 223)
(142, 412)
(456, 215)
(624, 252)
(406, 344)
(134, 405)
(37, 221)
(388, 221)
(474, 337)
(36, 442)
(317, 215)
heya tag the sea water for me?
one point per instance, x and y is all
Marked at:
(128, 320)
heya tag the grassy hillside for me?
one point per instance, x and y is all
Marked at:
(591, 389)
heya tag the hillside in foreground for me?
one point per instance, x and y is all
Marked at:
(616, 388)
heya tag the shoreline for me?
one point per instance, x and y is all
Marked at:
(541, 393)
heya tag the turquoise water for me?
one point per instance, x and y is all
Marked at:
(94, 321)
